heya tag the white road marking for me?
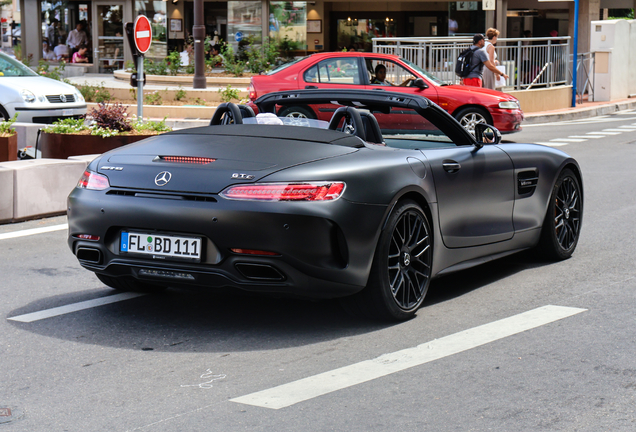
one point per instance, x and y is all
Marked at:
(568, 140)
(338, 379)
(74, 307)
(628, 127)
(602, 133)
(613, 130)
(552, 144)
(32, 231)
(587, 136)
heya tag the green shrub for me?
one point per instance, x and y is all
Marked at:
(180, 94)
(5, 126)
(93, 93)
(66, 126)
(153, 98)
(173, 62)
(231, 64)
(152, 126)
(229, 93)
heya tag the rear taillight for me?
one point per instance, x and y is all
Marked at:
(314, 191)
(252, 92)
(93, 181)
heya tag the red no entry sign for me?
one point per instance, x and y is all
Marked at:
(142, 33)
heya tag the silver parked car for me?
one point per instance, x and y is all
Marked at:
(35, 98)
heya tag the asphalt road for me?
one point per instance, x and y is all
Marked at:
(186, 361)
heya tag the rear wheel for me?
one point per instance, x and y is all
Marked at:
(562, 224)
(297, 113)
(401, 269)
(470, 116)
(128, 283)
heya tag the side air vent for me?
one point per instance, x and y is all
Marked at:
(527, 181)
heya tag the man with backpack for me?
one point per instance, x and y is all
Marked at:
(471, 62)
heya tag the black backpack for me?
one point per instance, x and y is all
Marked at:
(463, 64)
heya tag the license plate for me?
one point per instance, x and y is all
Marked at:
(67, 112)
(161, 246)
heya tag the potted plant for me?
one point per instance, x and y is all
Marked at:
(108, 127)
(8, 140)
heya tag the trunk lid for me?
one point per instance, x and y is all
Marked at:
(243, 158)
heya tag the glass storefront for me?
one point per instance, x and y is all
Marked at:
(288, 24)
(244, 22)
(110, 30)
(156, 13)
(356, 34)
(59, 19)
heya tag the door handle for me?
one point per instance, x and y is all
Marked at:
(451, 166)
(311, 87)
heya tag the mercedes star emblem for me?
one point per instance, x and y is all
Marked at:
(63, 98)
(163, 178)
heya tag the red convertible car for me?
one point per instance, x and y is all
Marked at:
(355, 70)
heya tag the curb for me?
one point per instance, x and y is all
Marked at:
(578, 113)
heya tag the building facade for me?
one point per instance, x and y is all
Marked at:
(301, 26)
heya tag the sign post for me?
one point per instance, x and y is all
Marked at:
(142, 34)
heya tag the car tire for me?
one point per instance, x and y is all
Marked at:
(297, 112)
(562, 224)
(128, 283)
(470, 116)
(4, 114)
(401, 270)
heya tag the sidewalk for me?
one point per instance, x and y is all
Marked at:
(584, 110)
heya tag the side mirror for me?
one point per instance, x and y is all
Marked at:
(486, 134)
(420, 84)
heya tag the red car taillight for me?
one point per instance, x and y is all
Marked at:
(252, 92)
(314, 191)
(93, 181)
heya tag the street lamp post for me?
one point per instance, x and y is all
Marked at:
(575, 47)
(198, 32)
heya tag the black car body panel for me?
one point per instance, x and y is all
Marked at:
(493, 205)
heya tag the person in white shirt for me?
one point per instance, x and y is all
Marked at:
(52, 33)
(77, 37)
(47, 54)
(489, 77)
(61, 50)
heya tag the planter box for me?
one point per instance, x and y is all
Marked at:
(9, 148)
(61, 146)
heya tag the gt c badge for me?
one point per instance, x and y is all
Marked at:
(163, 178)
(242, 176)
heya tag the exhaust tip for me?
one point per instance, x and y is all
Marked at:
(261, 272)
(89, 254)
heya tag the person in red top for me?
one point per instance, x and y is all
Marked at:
(80, 55)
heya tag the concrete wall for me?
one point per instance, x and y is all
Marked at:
(614, 43)
(544, 99)
(40, 187)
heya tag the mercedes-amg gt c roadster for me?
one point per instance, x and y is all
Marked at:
(367, 207)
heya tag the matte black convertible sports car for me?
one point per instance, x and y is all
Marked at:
(369, 207)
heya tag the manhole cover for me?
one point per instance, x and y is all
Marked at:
(10, 413)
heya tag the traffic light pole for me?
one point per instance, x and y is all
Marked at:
(198, 32)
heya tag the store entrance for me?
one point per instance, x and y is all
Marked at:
(108, 36)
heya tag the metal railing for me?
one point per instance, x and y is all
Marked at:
(585, 67)
(529, 62)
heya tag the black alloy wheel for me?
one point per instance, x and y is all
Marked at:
(562, 225)
(401, 270)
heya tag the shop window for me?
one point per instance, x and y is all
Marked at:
(244, 23)
(288, 24)
(356, 34)
(334, 71)
(155, 11)
(58, 20)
